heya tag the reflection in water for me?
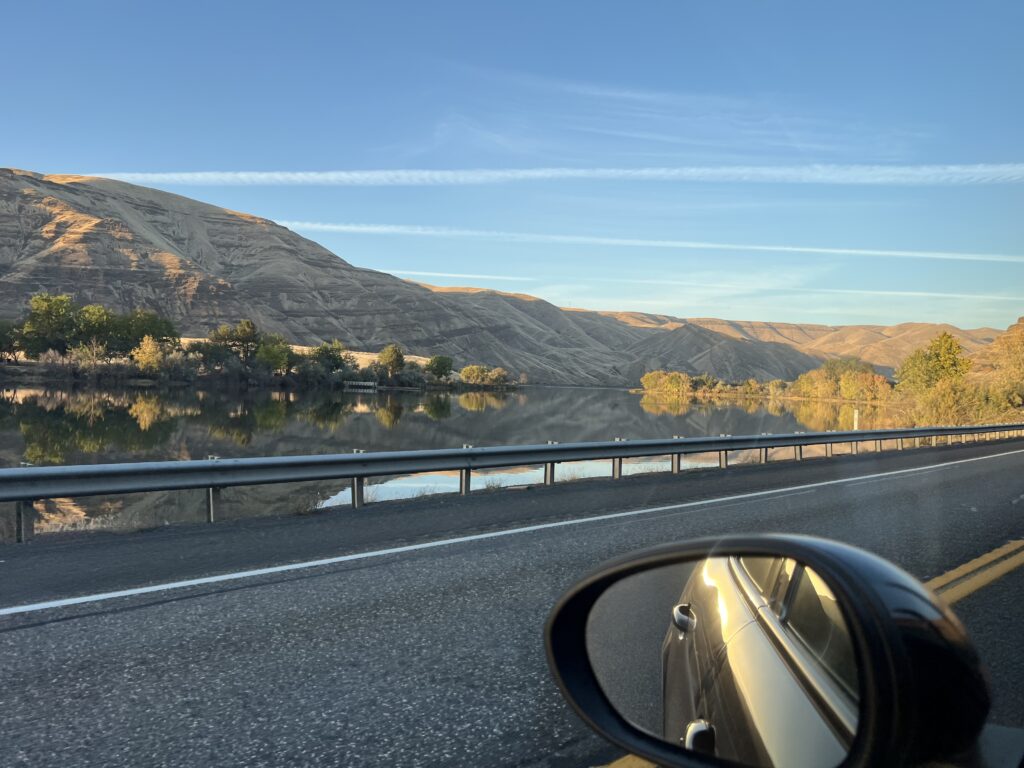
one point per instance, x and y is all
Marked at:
(388, 414)
(437, 407)
(813, 415)
(72, 427)
(481, 401)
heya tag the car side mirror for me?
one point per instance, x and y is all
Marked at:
(767, 651)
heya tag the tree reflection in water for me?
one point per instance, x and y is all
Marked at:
(813, 415)
(75, 427)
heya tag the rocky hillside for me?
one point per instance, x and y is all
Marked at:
(132, 247)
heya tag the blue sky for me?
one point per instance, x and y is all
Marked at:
(804, 162)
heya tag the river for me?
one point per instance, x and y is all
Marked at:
(53, 427)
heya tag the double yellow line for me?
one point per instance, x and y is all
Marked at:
(953, 586)
(968, 578)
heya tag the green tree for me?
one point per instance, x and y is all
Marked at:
(943, 359)
(333, 356)
(132, 328)
(50, 324)
(440, 366)
(212, 355)
(274, 353)
(243, 339)
(94, 323)
(8, 341)
(148, 355)
(392, 358)
(375, 371)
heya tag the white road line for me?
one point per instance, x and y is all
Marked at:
(32, 607)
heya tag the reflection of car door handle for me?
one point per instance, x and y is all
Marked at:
(700, 737)
(683, 618)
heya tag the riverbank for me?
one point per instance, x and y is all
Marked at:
(30, 373)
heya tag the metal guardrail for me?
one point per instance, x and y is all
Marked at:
(26, 484)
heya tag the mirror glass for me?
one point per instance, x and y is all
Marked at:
(745, 658)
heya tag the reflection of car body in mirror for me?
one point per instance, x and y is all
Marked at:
(758, 666)
(773, 650)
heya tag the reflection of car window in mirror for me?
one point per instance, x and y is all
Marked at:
(693, 654)
(813, 615)
(782, 586)
(760, 571)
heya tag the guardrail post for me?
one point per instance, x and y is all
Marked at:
(24, 521)
(212, 502)
(358, 487)
(762, 456)
(675, 458)
(212, 496)
(617, 463)
(878, 446)
(465, 477)
(854, 447)
(935, 441)
(899, 444)
(723, 457)
(549, 468)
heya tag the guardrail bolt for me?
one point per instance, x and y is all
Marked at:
(465, 477)
(549, 468)
(358, 487)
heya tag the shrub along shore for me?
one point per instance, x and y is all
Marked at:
(933, 384)
(61, 342)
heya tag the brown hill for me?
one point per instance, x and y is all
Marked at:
(882, 346)
(132, 247)
(694, 349)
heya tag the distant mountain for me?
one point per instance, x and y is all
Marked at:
(130, 247)
(882, 346)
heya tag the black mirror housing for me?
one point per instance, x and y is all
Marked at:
(923, 693)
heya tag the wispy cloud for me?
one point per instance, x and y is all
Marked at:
(749, 288)
(631, 242)
(882, 175)
(458, 275)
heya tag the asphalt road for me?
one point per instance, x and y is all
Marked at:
(431, 655)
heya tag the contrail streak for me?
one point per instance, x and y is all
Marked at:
(632, 242)
(883, 175)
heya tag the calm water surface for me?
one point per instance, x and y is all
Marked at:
(55, 427)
